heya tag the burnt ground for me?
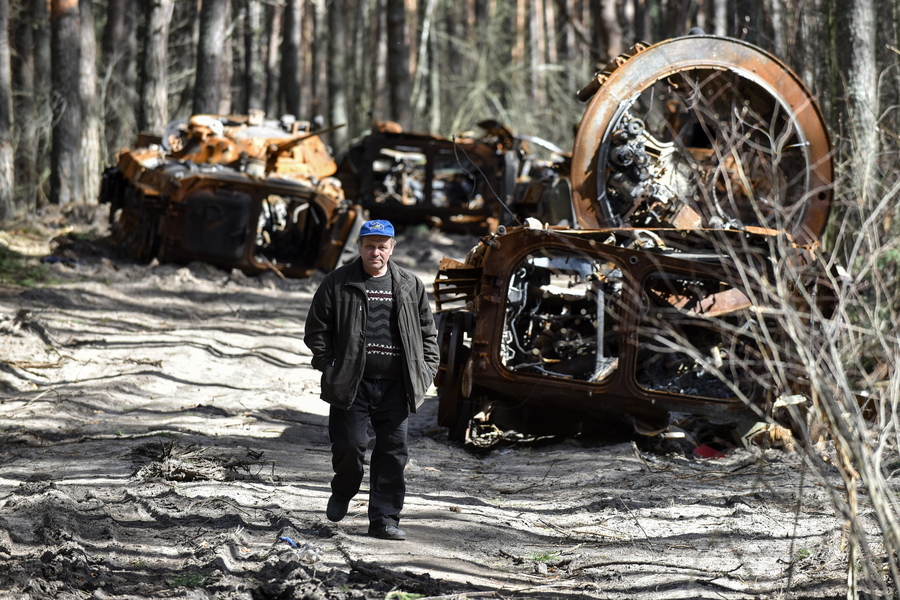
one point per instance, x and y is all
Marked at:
(161, 437)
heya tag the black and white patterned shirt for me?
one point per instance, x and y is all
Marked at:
(384, 350)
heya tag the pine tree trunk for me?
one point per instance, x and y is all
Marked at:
(399, 88)
(862, 90)
(609, 31)
(7, 174)
(119, 71)
(66, 175)
(254, 72)
(40, 15)
(91, 132)
(24, 101)
(154, 93)
(274, 17)
(337, 83)
(211, 56)
(290, 57)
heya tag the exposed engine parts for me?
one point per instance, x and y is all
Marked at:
(700, 177)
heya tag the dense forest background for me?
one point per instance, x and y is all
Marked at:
(80, 78)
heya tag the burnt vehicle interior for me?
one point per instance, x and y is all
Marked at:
(236, 191)
(700, 165)
(471, 183)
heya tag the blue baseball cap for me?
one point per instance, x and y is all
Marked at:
(377, 227)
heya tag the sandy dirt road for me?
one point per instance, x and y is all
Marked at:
(161, 436)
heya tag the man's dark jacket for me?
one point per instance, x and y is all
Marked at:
(336, 333)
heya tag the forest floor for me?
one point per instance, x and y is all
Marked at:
(161, 436)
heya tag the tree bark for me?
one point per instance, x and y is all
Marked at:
(399, 88)
(154, 93)
(862, 91)
(40, 14)
(211, 57)
(316, 67)
(120, 73)
(66, 176)
(91, 132)
(7, 173)
(24, 101)
(274, 15)
(291, 74)
(609, 31)
(337, 83)
(254, 65)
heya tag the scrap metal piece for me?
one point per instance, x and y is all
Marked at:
(235, 191)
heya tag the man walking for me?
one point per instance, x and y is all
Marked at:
(372, 334)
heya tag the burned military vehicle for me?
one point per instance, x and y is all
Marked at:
(468, 183)
(238, 192)
(701, 178)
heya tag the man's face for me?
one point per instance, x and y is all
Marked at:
(375, 251)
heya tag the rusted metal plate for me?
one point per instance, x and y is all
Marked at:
(238, 192)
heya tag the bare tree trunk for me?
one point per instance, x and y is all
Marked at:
(360, 67)
(226, 65)
(40, 14)
(411, 35)
(7, 172)
(862, 91)
(119, 65)
(317, 65)
(66, 176)
(337, 83)
(552, 56)
(290, 57)
(609, 30)
(775, 11)
(26, 113)
(421, 79)
(399, 88)
(642, 30)
(536, 45)
(719, 17)
(254, 72)
(154, 94)
(91, 132)
(211, 56)
(274, 14)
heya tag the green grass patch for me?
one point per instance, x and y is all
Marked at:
(18, 270)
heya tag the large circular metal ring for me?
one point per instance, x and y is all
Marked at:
(721, 127)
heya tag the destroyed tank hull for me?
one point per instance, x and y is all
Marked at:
(236, 192)
(701, 180)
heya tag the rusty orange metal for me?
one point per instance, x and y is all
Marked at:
(235, 191)
(679, 92)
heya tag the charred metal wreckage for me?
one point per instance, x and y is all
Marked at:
(470, 183)
(701, 173)
(238, 192)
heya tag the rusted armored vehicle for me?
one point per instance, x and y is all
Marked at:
(468, 183)
(235, 191)
(701, 179)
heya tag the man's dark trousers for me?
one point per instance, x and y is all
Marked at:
(383, 403)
